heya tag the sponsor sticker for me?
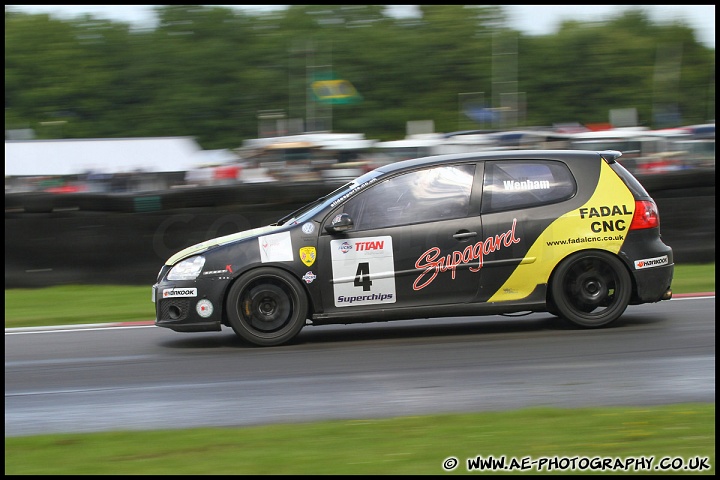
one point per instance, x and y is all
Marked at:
(651, 262)
(309, 277)
(363, 271)
(179, 292)
(307, 255)
(308, 228)
(204, 308)
(276, 248)
(217, 272)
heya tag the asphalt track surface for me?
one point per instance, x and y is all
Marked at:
(140, 377)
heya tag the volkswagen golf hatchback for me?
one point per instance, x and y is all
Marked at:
(568, 232)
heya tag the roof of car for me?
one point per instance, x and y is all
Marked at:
(579, 155)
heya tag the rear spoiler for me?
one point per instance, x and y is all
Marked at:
(610, 155)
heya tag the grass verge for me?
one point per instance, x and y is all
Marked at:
(399, 446)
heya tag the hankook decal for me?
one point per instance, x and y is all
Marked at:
(179, 292)
(651, 262)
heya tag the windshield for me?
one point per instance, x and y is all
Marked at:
(308, 211)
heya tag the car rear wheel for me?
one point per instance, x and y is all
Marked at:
(591, 289)
(267, 307)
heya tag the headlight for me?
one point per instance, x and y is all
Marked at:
(188, 269)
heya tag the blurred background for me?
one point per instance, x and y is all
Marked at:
(130, 137)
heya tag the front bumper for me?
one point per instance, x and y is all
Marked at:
(200, 313)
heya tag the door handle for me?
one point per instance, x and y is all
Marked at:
(464, 235)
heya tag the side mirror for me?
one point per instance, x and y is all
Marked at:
(341, 223)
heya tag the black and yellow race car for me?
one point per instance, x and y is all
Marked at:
(568, 232)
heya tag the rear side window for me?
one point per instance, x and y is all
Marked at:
(510, 185)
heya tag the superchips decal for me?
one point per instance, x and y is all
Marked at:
(609, 210)
(307, 255)
(432, 263)
(363, 271)
(276, 247)
(651, 262)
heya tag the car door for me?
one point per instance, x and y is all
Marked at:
(411, 243)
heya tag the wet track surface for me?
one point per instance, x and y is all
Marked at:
(144, 377)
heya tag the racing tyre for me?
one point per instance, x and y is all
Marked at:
(591, 289)
(267, 307)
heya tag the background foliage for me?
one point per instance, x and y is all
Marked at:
(208, 71)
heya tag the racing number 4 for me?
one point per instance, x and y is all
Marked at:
(362, 276)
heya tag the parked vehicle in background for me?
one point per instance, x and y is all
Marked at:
(572, 233)
(648, 151)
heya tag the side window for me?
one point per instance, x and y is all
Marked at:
(521, 184)
(427, 195)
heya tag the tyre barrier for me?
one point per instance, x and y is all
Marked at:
(95, 238)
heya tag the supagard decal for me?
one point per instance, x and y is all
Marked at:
(179, 292)
(307, 255)
(276, 247)
(309, 277)
(433, 263)
(651, 262)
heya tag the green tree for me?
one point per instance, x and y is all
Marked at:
(209, 71)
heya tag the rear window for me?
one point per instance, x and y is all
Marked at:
(514, 184)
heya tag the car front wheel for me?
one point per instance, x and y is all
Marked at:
(267, 307)
(591, 289)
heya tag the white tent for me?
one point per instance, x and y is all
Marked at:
(103, 155)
